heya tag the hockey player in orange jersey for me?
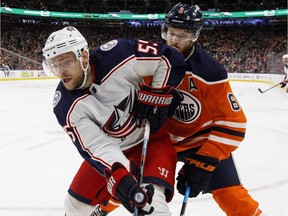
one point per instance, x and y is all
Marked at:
(209, 124)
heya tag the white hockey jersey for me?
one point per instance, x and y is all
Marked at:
(100, 120)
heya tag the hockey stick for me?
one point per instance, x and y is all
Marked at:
(269, 88)
(185, 200)
(143, 157)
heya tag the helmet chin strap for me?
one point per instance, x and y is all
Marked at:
(85, 71)
(190, 53)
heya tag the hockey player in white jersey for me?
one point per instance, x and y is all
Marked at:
(285, 80)
(96, 104)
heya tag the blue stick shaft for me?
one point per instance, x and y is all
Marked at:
(184, 204)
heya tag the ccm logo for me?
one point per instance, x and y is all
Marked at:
(155, 99)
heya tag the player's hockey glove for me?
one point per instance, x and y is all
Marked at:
(196, 172)
(123, 185)
(156, 104)
(283, 84)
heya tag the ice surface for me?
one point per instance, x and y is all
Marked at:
(38, 160)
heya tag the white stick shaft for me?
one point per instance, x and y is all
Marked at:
(143, 156)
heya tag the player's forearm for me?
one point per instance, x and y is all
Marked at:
(101, 149)
(217, 150)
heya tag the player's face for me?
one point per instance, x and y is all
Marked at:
(68, 69)
(180, 39)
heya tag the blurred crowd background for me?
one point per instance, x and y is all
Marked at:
(242, 47)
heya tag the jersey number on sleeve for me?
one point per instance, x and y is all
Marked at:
(68, 130)
(146, 47)
(233, 103)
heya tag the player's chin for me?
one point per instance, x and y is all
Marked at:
(173, 45)
(176, 47)
(69, 83)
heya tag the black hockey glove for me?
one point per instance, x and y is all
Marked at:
(283, 84)
(196, 172)
(123, 185)
(156, 104)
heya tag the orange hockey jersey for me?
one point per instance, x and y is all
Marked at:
(209, 117)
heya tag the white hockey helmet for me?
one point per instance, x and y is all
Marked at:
(68, 39)
(65, 40)
(285, 59)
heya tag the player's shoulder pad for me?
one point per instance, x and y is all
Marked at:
(202, 64)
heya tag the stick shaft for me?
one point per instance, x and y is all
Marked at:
(144, 150)
(269, 88)
(185, 200)
(143, 157)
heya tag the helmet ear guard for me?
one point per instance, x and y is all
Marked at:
(164, 29)
(183, 16)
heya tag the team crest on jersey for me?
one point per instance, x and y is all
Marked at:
(189, 109)
(109, 45)
(56, 99)
(122, 122)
